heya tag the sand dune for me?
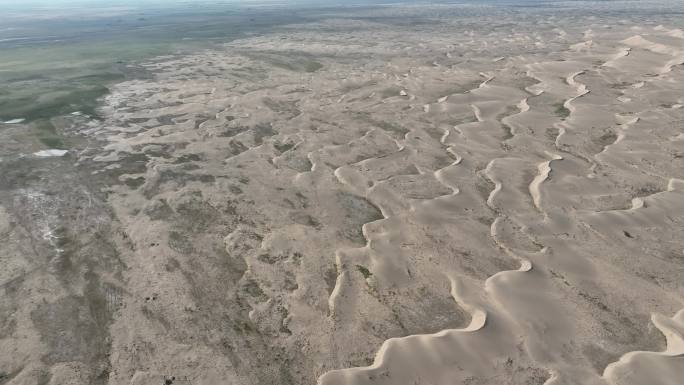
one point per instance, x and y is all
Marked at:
(447, 210)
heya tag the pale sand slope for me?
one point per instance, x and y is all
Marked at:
(415, 211)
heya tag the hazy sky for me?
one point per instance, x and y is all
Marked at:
(175, 2)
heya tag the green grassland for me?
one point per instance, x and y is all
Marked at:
(55, 66)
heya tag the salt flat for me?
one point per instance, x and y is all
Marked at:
(416, 195)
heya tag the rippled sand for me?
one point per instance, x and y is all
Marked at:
(497, 200)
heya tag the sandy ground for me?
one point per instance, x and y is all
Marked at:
(356, 201)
